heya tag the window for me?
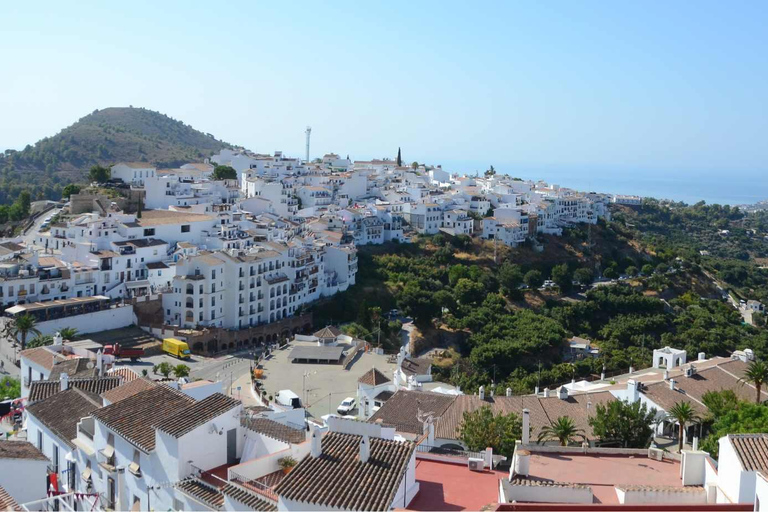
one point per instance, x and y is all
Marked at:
(39, 433)
(185, 228)
(213, 274)
(55, 458)
(135, 465)
(149, 232)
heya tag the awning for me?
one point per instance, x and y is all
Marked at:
(86, 474)
(134, 468)
(108, 452)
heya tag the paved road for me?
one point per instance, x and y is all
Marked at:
(32, 232)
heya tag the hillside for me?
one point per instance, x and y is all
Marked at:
(103, 137)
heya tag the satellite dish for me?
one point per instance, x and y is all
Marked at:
(90, 365)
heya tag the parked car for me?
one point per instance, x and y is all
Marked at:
(346, 406)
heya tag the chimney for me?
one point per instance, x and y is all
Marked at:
(365, 449)
(57, 339)
(546, 392)
(526, 426)
(492, 391)
(633, 391)
(672, 384)
(562, 393)
(509, 391)
(702, 356)
(100, 363)
(695, 444)
(666, 374)
(316, 446)
(64, 381)
(631, 370)
(602, 373)
(481, 392)
(536, 391)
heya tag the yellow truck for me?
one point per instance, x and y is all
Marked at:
(176, 348)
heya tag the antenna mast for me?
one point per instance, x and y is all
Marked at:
(309, 131)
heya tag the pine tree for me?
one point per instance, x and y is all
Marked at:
(399, 158)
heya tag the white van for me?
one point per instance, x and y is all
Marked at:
(288, 398)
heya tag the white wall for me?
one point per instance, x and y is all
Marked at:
(50, 443)
(26, 481)
(112, 318)
(665, 497)
(549, 494)
(738, 485)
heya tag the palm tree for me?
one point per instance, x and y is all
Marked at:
(563, 430)
(23, 325)
(683, 414)
(68, 333)
(756, 374)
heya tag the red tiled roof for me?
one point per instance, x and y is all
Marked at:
(7, 502)
(752, 450)
(20, 450)
(191, 417)
(402, 410)
(127, 389)
(373, 377)
(135, 417)
(248, 498)
(201, 491)
(338, 479)
(61, 412)
(42, 356)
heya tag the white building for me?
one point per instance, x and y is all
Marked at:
(133, 173)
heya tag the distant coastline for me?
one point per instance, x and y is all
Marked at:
(737, 188)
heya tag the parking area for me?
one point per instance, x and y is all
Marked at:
(321, 387)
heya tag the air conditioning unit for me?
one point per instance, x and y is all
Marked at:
(476, 464)
(656, 454)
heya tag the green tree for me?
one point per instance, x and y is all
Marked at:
(415, 165)
(628, 423)
(22, 326)
(10, 388)
(631, 270)
(69, 190)
(224, 172)
(164, 369)
(584, 276)
(181, 370)
(468, 291)
(744, 418)
(99, 174)
(563, 430)
(683, 414)
(68, 333)
(399, 158)
(40, 341)
(610, 273)
(719, 403)
(562, 277)
(481, 428)
(533, 279)
(510, 277)
(757, 375)
(647, 269)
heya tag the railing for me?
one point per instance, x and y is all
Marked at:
(253, 485)
(450, 452)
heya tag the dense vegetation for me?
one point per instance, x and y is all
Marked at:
(503, 334)
(103, 137)
(734, 245)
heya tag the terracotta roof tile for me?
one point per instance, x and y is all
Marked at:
(402, 409)
(42, 356)
(338, 479)
(327, 332)
(125, 373)
(42, 389)
(77, 367)
(752, 450)
(191, 417)
(275, 430)
(127, 390)
(201, 491)
(248, 498)
(7, 502)
(20, 450)
(373, 377)
(416, 365)
(61, 412)
(135, 417)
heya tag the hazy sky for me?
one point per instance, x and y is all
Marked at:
(680, 85)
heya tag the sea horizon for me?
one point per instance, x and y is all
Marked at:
(689, 186)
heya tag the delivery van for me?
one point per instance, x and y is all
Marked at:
(288, 398)
(176, 348)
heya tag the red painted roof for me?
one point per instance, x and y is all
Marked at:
(444, 486)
